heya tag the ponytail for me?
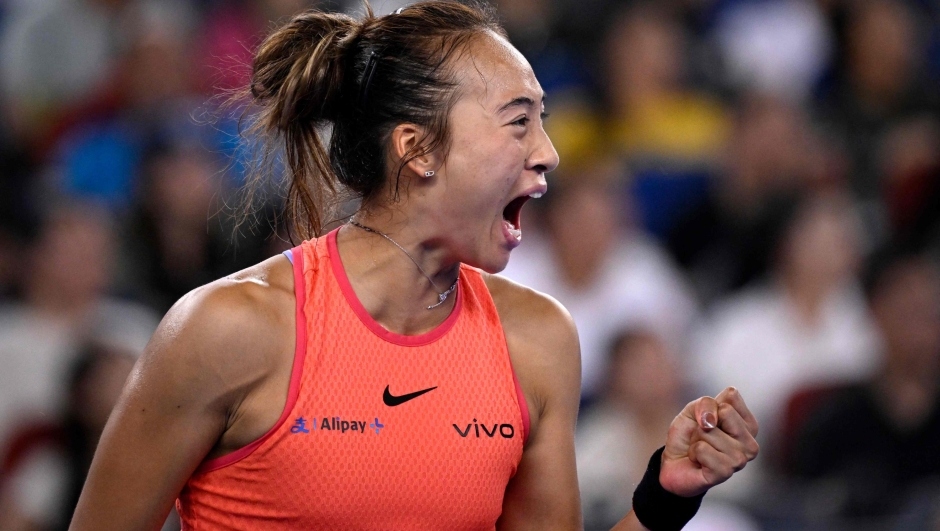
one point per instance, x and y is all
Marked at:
(297, 77)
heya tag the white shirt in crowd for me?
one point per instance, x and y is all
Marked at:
(637, 286)
(756, 342)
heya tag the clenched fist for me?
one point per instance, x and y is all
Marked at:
(711, 439)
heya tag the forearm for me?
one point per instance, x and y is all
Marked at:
(629, 523)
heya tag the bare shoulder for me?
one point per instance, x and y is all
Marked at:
(212, 379)
(528, 313)
(542, 340)
(226, 336)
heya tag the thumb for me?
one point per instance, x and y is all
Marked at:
(706, 413)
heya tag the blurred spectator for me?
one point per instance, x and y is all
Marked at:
(654, 114)
(609, 277)
(176, 240)
(771, 155)
(807, 324)
(869, 445)
(55, 55)
(46, 463)
(222, 50)
(560, 65)
(778, 47)
(576, 131)
(66, 278)
(637, 402)
(879, 84)
(100, 156)
(231, 30)
(17, 207)
(669, 133)
(527, 22)
(909, 159)
(224, 46)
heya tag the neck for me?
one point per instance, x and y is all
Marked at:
(391, 287)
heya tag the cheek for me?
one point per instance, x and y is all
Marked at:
(483, 173)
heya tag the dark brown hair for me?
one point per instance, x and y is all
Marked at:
(355, 81)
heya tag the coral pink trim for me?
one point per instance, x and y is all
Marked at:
(293, 391)
(523, 406)
(398, 339)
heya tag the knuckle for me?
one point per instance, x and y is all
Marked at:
(672, 433)
(740, 461)
(725, 472)
(753, 449)
(675, 433)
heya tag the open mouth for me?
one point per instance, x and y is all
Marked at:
(512, 214)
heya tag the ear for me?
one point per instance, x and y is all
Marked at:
(404, 139)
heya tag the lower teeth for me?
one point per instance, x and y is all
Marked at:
(516, 233)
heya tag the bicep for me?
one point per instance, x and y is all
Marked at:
(544, 492)
(169, 417)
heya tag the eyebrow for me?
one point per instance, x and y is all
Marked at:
(523, 101)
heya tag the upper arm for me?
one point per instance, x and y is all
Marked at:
(179, 400)
(543, 345)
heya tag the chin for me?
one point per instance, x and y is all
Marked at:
(491, 264)
(493, 270)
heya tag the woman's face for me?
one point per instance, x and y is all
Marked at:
(499, 154)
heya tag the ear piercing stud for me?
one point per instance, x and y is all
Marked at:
(429, 173)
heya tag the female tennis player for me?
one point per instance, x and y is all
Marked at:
(381, 376)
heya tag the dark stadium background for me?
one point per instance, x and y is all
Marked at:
(749, 195)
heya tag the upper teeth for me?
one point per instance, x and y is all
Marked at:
(535, 195)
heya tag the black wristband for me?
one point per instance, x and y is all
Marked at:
(657, 508)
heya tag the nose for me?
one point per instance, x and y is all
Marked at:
(543, 158)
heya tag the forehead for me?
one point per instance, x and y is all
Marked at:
(494, 72)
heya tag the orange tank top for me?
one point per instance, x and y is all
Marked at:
(380, 431)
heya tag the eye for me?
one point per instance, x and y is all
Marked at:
(545, 116)
(521, 121)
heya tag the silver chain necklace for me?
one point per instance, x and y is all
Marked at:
(442, 296)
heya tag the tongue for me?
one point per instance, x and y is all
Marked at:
(516, 233)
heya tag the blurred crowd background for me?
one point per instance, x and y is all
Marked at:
(749, 195)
